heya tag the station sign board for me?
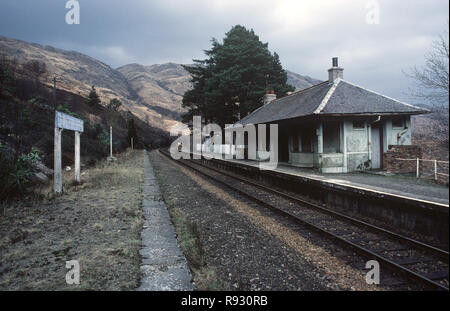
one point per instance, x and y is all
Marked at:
(67, 122)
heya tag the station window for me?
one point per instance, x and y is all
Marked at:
(398, 123)
(331, 137)
(295, 146)
(306, 142)
(358, 125)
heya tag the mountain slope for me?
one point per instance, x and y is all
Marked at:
(152, 93)
(299, 81)
(161, 87)
(76, 73)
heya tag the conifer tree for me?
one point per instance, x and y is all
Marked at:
(93, 100)
(132, 131)
(239, 70)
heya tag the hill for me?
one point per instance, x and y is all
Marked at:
(299, 81)
(161, 87)
(27, 106)
(76, 73)
(151, 93)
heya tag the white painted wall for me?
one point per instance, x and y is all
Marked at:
(392, 133)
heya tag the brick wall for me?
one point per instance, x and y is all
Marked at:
(392, 165)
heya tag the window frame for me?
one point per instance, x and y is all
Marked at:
(363, 128)
(295, 141)
(403, 126)
(308, 139)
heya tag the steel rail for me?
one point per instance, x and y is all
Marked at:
(410, 274)
(443, 254)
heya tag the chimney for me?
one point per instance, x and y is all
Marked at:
(269, 97)
(335, 71)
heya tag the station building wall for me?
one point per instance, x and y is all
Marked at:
(347, 146)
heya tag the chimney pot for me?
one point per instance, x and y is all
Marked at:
(269, 97)
(335, 72)
(335, 62)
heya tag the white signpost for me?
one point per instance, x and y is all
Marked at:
(65, 122)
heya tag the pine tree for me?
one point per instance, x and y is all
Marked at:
(93, 100)
(239, 70)
(132, 131)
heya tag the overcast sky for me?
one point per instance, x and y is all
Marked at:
(305, 34)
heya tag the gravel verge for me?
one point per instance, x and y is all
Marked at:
(248, 248)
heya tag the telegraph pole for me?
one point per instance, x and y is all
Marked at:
(110, 142)
(54, 90)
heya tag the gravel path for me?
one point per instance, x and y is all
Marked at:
(163, 267)
(249, 249)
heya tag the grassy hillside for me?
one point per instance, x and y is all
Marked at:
(161, 87)
(152, 93)
(76, 74)
(27, 109)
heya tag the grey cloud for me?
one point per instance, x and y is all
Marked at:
(306, 34)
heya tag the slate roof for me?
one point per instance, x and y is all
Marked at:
(340, 97)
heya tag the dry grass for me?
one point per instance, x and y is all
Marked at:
(189, 237)
(97, 222)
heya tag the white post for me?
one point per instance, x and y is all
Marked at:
(417, 168)
(435, 169)
(320, 139)
(132, 143)
(110, 141)
(57, 174)
(64, 121)
(369, 142)
(77, 156)
(319, 133)
(344, 145)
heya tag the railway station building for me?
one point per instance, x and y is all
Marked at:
(335, 126)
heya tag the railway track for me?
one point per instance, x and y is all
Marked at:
(418, 262)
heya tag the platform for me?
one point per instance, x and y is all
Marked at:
(401, 202)
(163, 267)
(406, 187)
